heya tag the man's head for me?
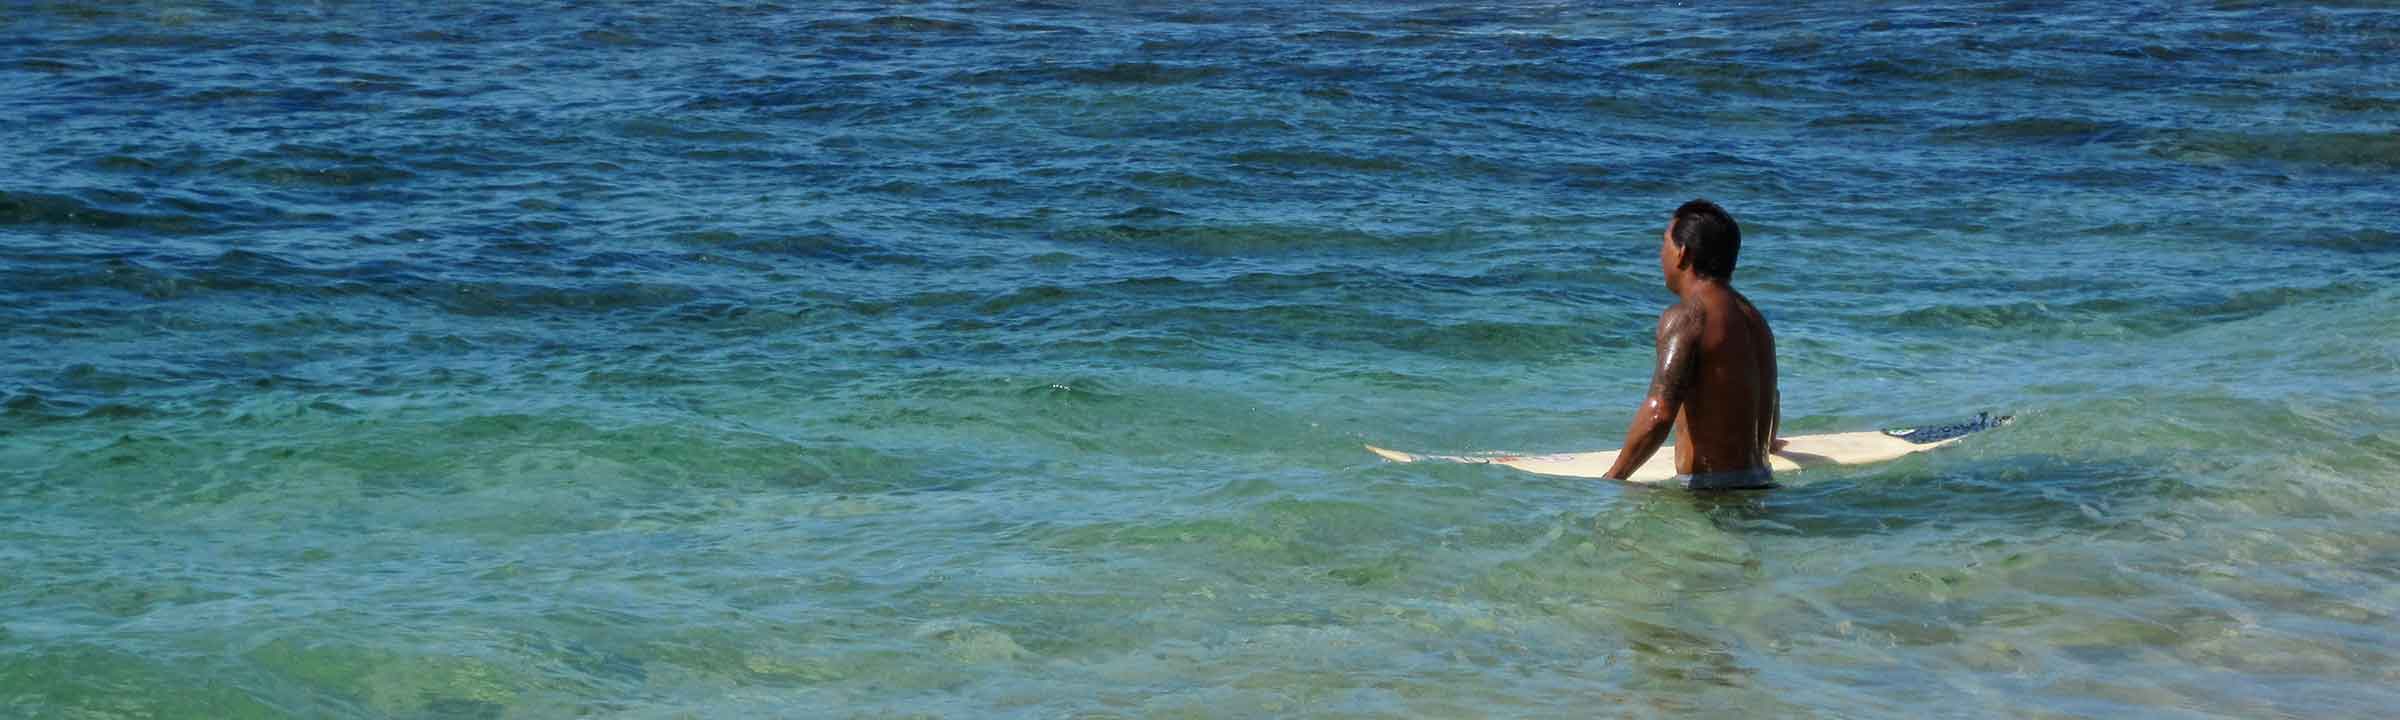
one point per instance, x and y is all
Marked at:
(1703, 239)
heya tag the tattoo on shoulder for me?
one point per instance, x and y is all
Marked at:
(1679, 319)
(1678, 340)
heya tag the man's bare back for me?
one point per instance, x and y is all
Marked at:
(1714, 383)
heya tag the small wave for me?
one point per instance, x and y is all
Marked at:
(733, 155)
(2253, 303)
(908, 23)
(1175, 179)
(1588, 176)
(112, 273)
(686, 130)
(2358, 104)
(1853, 119)
(1077, 390)
(41, 209)
(33, 407)
(285, 165)
(261, 98)
(1146, 212)
(1333, 325)
(500, 299)
(161, 41)
(611, 38)
(1731, 77)
(121, 86)
(2034, 129)
(1207, 239)
(901, 188)
(895, 24)
(820, 245)
(1182, 128)
(1349, 37)
(1039, 295)
(2356, 241)
(2155, 52)
(2115, 316)
(340, 176)
(796, 104)
(1043, 28)
(44, 65)
(1318, 159)
(1922, 70)
(2379, 150)
(1139, 74)
(1531, 73)
(1505, 341)
(441, 37)
(2089, 317)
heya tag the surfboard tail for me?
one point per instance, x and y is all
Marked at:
(1937, 433)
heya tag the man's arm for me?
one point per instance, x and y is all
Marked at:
(1678, 363)
(1775, 424)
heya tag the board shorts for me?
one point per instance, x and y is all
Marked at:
(1757, 478)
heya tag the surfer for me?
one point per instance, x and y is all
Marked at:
(1715, 380)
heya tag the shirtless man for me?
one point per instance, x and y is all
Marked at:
(1715, 381)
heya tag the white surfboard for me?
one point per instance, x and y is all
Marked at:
(1798, 453)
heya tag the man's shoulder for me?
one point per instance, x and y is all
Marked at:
(1742, 305)
(1726, 301)
(1681, 318)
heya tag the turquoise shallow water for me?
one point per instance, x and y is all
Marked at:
(680, 359)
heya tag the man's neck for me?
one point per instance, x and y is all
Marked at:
(1691, 286)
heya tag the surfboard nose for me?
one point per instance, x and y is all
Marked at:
(1392, 455)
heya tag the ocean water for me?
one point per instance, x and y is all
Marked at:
(682, 359)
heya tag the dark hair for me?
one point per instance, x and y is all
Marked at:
(1710, 239)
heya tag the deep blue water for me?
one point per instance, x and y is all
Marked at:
(966, 359)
